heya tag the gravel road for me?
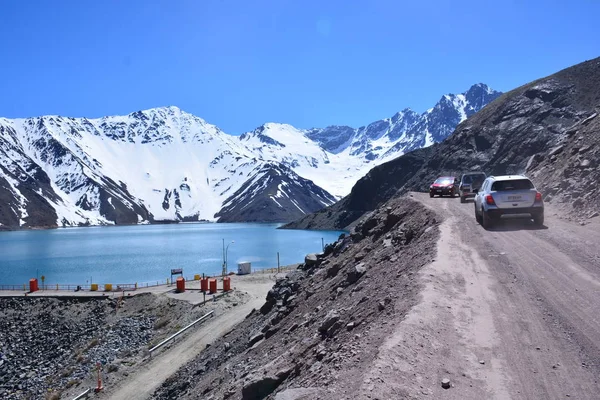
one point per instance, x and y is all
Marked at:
(510, 313)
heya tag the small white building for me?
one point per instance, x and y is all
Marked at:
(244, 268)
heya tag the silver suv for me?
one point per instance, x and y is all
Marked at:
(508, 196)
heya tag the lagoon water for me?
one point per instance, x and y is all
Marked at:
(146, 253)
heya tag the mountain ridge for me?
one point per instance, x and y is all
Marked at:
(166, 164)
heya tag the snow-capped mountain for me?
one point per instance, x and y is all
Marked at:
(158, 164)
(166, 164)
(337, 156)
(406, 130)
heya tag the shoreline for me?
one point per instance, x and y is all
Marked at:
(5, 228)
(50, 291)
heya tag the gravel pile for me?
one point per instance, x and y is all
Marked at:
(48, 344)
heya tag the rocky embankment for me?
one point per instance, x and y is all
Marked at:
(569, 174)
(323, 324)
(51, 344)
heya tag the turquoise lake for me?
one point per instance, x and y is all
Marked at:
(147, 253)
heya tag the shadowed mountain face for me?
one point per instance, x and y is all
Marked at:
(548, 129)
(294, 196)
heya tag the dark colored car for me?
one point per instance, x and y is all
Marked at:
(444, 185)
(470, 184)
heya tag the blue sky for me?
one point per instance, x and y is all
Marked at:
(239, 64)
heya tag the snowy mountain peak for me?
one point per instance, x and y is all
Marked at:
(276, 134)
(277, 126)
(164, 110)
(401, 114)
(157, 126)
(475, 93)
(482, 87)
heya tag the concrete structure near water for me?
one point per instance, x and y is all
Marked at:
(244, 268)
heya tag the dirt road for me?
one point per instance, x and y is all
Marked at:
(169, 359)
(510, 313)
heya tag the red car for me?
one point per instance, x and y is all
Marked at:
(444, 185)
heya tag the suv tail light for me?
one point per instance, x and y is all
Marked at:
(538, 197)
(490, 200)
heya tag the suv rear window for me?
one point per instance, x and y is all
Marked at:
(475, 178)
(517, 184)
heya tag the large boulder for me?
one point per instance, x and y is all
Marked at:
(355, 273)
(257, 387)
(311, 260)
(330, 319)
(255, 339)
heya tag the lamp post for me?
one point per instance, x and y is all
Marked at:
(225, 249)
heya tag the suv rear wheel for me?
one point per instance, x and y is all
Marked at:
(486, 221)
(477, 216)
(538, 219)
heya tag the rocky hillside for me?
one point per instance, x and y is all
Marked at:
(320, 327)
(547, 129)
(164, 164)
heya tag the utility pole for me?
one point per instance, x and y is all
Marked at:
(225, 249)
(278, 269)
(322, 245)
(224, 265)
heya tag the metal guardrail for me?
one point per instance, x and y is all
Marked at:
(84, 394)
(119, 287)
(63, 286)
(167, 340)
(273, 270)
(14, 287)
